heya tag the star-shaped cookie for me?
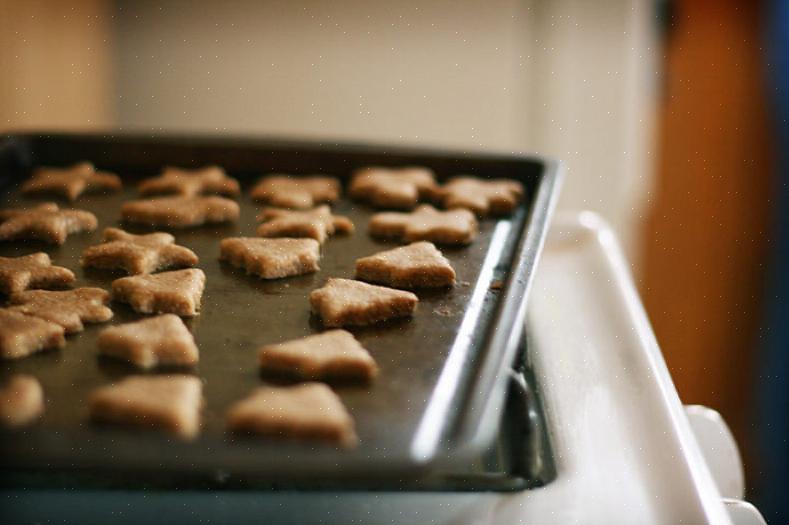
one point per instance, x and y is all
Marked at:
(22, 335)
(190, 183)
(399, 188)
(21, 401)
(483, 197)
(342, 302)
(71, 182)
(178, 292)
(68, 308)
(332, 354)
(45, 222)
(317, 223)
(163, 340)
(284, 191)
(271, 258)
(180, 212)
(451, 227)
(167, 403)
(310, 411)
(17, 274)
(418, 265)
(137, 253)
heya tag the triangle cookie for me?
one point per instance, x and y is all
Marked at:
(159, 341)
(178, 292)
(168, 403)
(342, 302)
(418, 265)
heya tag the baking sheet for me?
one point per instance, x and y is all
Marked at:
(396, 416)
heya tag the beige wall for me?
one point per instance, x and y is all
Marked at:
(567, 78)
(55, 65)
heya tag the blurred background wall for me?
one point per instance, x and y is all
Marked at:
(657, 109)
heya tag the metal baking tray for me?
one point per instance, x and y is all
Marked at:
(438, 400)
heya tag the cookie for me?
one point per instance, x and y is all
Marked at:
(399, 188)
(452, 227)
(332, 354)
(137, 254)
(68, 308)
(22, 335)
(343, 302)
(317, 223)
(168, 403)
(21, 401)
(17, 274)
(180, 212)
(178, 292)
(71, 182)
(271, 258)
(418, 265)
(46, 222)
(190, 183)
(483, 197)
(308, 411)
(164, 340)
(303, 193)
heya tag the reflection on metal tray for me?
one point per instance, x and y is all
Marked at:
(438, 399)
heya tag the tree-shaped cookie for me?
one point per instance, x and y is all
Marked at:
(303, 193)
(165, 403)
(17, 274)
(137, 253)
(190, 183)
(68, 308)
(451, 227)
(398, 188)
(71, 182)
(310, 411)
(22, 335)
(179, 292)
(343, 302)
(180, 212)
(317, 223)
(21, 401)
(271, 258)
(483, 197)
(45, 222)
(418, 265)
(332, 354)
(163, 340)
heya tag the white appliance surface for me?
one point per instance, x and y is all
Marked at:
(624, 448)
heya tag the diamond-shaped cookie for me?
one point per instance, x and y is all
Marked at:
(483, 197)
(45, 222)
(418, 265)
(342, 302)
(17, 274)
(317, 223)
(189, 183)
(22, 335)
(271, 258)
(180, 212)
(399, 188)
(159, 341)
(137, 253)
(21, 401)
(332, 354)
(178, 292)
(452, 227)
(309, 411)
(68, 308)
(168, 403)
(71, 182)
(284, 191)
